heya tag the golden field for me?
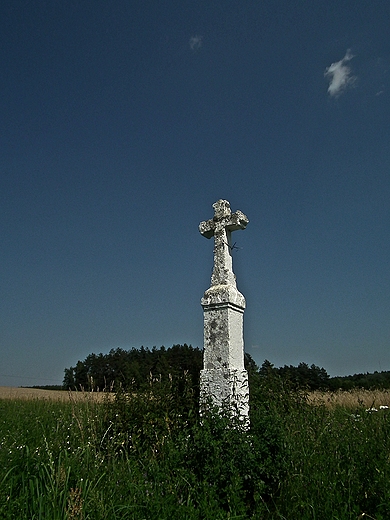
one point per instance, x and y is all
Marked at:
(9, 392)
(350, 399)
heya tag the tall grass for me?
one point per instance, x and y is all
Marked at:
(150, 456)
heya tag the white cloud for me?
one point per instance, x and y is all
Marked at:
(340, 75)
(196, 42)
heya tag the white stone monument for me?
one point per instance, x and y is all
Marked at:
(224, 380)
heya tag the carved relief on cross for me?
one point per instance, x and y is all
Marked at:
(220, 227)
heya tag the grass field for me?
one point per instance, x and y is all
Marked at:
(149, 457)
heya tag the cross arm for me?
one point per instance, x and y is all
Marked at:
(237, 221)
(207, 228)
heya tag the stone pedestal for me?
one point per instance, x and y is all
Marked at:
(224, 380)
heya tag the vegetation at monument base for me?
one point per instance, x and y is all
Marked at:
(148, 455)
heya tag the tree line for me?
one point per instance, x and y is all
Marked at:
(313, 377)
(135, 368)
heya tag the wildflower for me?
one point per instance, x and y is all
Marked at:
(356, 417)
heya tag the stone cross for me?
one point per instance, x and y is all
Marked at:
(221, 227)
(224, 380)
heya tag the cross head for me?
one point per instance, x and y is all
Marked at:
(220, 227)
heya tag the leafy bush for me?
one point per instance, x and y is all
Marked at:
(227, 468)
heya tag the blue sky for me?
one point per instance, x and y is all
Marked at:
(123, 122)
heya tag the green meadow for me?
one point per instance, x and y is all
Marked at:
(150, 456)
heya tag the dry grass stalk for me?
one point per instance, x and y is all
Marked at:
(74, 510)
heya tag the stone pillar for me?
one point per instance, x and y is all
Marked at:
(224, 380)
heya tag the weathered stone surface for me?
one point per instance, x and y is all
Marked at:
(226, 389)
(224, 379)
(223, 293)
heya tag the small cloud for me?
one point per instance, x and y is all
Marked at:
(196, 42)
(340, 75)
